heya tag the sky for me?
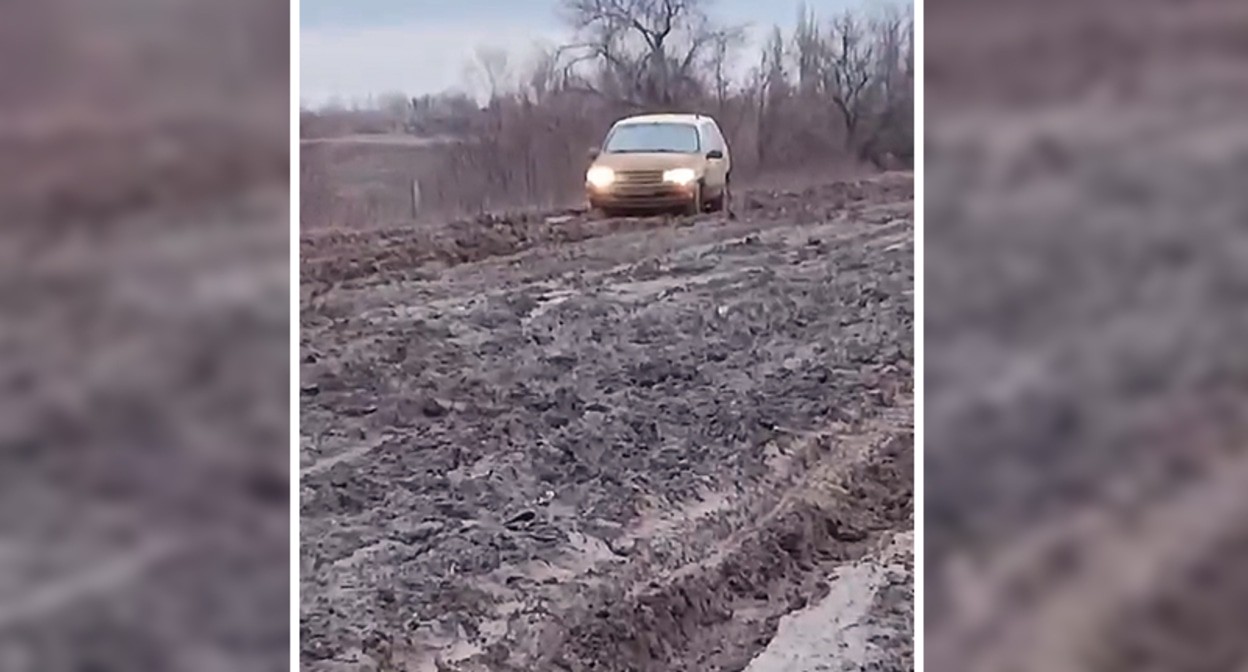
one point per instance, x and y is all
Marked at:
(351, 49)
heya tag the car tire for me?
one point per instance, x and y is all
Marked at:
(721, 202)
(696, 205)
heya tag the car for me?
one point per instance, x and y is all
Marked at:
(660, 162)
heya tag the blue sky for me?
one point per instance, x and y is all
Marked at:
(353, 48)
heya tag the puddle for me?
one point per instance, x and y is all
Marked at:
(835, 633)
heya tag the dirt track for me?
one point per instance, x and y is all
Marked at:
(631, 444)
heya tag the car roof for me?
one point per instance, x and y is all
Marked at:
(663, 118)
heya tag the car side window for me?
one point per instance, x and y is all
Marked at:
(714, 141)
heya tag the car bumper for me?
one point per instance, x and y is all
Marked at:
(623, 197)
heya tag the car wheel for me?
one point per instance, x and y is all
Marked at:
(696, 205)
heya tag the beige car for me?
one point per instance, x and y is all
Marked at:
(660, 162)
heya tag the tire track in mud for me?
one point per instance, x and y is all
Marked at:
(831, 498)
(738, 592)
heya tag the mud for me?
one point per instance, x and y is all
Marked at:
(868, 601)
(549, 441)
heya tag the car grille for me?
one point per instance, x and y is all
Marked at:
(640, 177)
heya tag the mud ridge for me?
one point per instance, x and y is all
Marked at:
(778, 567)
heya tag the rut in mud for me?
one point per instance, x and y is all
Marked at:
(554, 442)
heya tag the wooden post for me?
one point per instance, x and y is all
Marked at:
(415, 198)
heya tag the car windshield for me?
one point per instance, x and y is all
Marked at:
(654, 137)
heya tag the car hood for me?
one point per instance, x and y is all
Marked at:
(645, 161)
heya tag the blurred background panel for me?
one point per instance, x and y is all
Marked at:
(119, 104)
(144, 316)
(1086, 276)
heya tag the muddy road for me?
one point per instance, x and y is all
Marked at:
(550, 442)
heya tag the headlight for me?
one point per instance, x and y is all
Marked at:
(679, 175)
(600, 176)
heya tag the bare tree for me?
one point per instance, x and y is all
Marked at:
(848, 71)
(397, 107)
(773, 88)
(722, 52)
(540, 76)
(892, 88)
(809, 50)
(646, 51)
(490, 69)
